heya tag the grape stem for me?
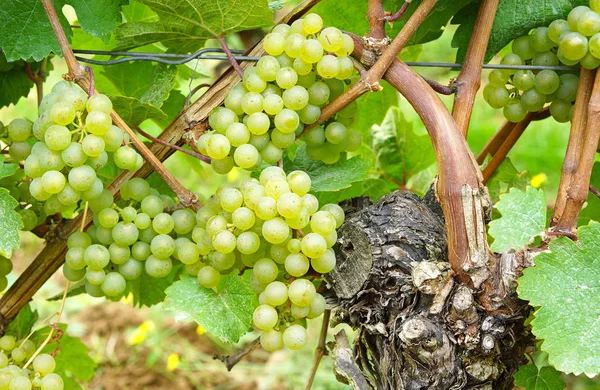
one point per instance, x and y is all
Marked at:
(232, 59)
(594, 191)
(502, 148)
(577, 190)
(231, 360)
(77, 74)
(397, 15)
(576, 139)
(469, 79)
(90, 73)
(321, 349)
(441, 88)
(38, 79)
(175, 147)
(186, 104)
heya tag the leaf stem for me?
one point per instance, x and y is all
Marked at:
(321, 349)
(594, 191)
(178, 148)
(232, 59)
(90, 72)
(397, 15)
(469, 79)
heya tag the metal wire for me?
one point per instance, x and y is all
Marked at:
(178, 59)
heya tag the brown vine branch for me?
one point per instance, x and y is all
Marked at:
(469, 79)
(77, 74)
(232, 59)
(178, 148)
(397, 15)
(90, 73)
(576, 139)
(231, 360)
(440, 88)
(376, 22)
(321, 349)
(594, 191)
(577, 191)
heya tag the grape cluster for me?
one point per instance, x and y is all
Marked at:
(307, 67)
(75, 136)
(39, 375)
(136, 236)
(16, 135)
(564, 42)
(275, 227)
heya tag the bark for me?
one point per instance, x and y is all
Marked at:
(416, 327)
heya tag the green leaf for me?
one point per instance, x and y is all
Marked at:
(505, 178)
(372, 107)
(591, 211)
(73, 362)
(22, 324)
(10, 223)
(14, 83)
(547, 378)
(226, 314)
(134, 111)
(27, 31)
(514, 18)
(149, 291)
(159, 184)
(374, 188)
(184, 26)
(400, 151)
(7, 169)
(523, 218)
(564, 286)
(324, 177)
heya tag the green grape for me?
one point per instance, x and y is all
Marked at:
(271, 154)
(184, 221)
(556, 29)
(251, 102)
(547, 81)
(589, 61)
(79, 240)
(141, 250)
(524, 80)
(258, 123)
(287, 121)
(18, 355)
(96, 257)
(565, 61)
(208, 277)
(95, 277)
(221, 118)
(323, 223)
(496, 97)
(331, 38)
(325, 263)
(125, 233)
(53, 182)
(74, 259)
(293, 45)
(233, 101)
(266, 208)
(589, 23)
(271, 173)
(514, 111)
(237, 134)
(282, 140)
(265, 317)
(335, 132)
(301, 67)
(188, 253)
(92, 145)
(104, 235)
(97, 123)
(299, 311)
(299, 182)
(561, 111)
(128, 214)
(19, 151)
(276, 293)
(52, 382)
(99, 102)
(595, 5)
(575, 15)
(285, 61)
(163, 223)
(295, 337)
(254, 83)
(30, 219)
(223, 166)
(44, 364)
(313, 23)
(98, 162)
(346, 68)
(274, 43)
(336, 211)
(295, 98)
(497, 78)
(93, 290)
(224, 241)
(286, 77)
(231, 199)
(94, 192)
(271, 340)
(311, 51)
(573, 46)
(301, 292)
(114, 284)
(7, 343)
(108, 218)
(215, 224)
(317, 306)
(328, 66)
(522, 47)
(57, 137)
(275, 231)
(19, 130)
(243, 218)
(347, 46)
(567, 90)
(152, 206)
(218, 146)
(157, 267)
(273, 104)
(309, 114)
(315, 136)
(313, 245)
(73, 275)
(311, 203)
(162, 246)
(594, 45)
(32, 167)
(540, 41)
(246, 156)
(276, 187)
(222, 261)
(533, 100)
(267, 68)
(297, 264)
(545, 59)
(289, 205)
(294, 245)
(20, 383)
(119, 254)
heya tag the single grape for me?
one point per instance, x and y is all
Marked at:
(556, 29)
(297, 264)
(313, 23)
(496, 97)
(265, 270)
(125, 233)
(271, 340)
(274, 43)
(293, 45)
(540, 41)
(265, 317)
(252, 102)
(589, 61)
(331, 38)
(575, 15)
(533, 100)
(157, 267)
(561, 111)
(275, 230)
(114, 284)
(221, 118)
(514, 111)
(573, 45)
(95, 277)
(57, 137)
(545, 59)
(295, 98)
(276, 293)
(524, 80)
(497, 78)
(522, 47)
(328, 66)
(547, 81)
(286, 77)
(325, 263)
(98, 123)
(295, 337)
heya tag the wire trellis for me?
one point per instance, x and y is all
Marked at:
(205, 54)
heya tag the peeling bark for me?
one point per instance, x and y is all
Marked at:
(417, 328)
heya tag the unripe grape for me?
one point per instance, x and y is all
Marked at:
(286, 77)
(545, 59)
(331, 38)
(157, 267)
(221, 118)
(573, 46)
(328, 66)
(271, 340)
(301, 292)
(293, 45)
(325, 263)
(114, 284)
(317, 306)
(98, 123)
(274, 43)
(540, 41)
(125, 158)
(575, 15)
(523, 48)
(275, 231)
(547, 81)
(265, 317)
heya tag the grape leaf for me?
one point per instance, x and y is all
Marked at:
(226, 314)
(73, 362)
(505, 178)
(134, 111)
(149, 291)
(328, 177)
(564, 285)
(14, 83)
(184, 26)
(350, 16)
(523, 218)
(372, 107)
(21, 325)
(400, 151)
(27, 31)
(373, 187)
(7, 169)
(10, 223)
(546, 378)
(514, 18)
(591, 211)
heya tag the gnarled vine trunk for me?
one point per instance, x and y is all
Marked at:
(417, 328)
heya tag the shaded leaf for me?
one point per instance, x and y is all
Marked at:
(505, 178)
(22, 324)
(7, 169)
(372, 107)
(374, 188)
(523, 218)
(148, 291)
(546, 378)
(564, 285)
(134, 112)
(226, 314)
(14, 83)
(328, 177)
(591, 211)
(10, 223)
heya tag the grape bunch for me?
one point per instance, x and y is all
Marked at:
(74, 138)
(16, 135)
(564, 42)
(274, 226)
(136, 235)
(39, 375)
(307, 67)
